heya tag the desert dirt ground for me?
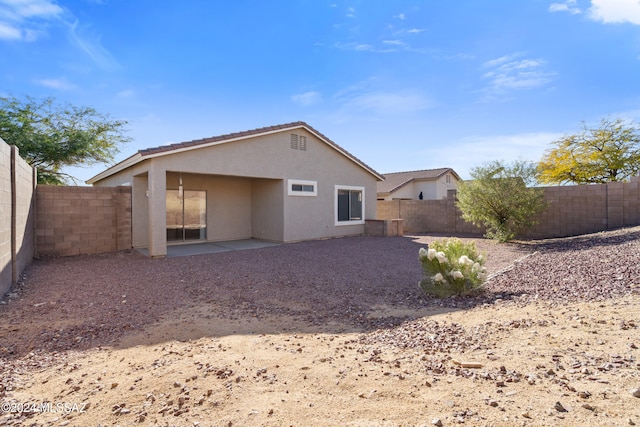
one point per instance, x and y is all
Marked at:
(326, 333)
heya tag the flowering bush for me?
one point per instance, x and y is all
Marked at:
(451, 267)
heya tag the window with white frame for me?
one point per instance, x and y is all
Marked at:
(298, 187)
(349, 205)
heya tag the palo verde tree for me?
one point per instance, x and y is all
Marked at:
(50, 136)
(500, 197)
(610, 152)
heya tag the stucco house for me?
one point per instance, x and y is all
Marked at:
(280, 183)
(428, 184)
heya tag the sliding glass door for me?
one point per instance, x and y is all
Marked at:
(186, 215)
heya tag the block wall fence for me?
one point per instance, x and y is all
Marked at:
(73, 220)
(573, 210)
(46, 220)
(17, 186)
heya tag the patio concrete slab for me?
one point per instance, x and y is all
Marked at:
(213, 247)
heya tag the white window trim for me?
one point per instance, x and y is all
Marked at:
(335, 203)
(292, 182)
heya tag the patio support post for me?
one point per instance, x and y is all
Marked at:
(157, 211)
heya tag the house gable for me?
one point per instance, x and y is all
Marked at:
(263, 134)
(408, 185)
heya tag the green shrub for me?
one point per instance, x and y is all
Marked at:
(451, 267)
(501, 198)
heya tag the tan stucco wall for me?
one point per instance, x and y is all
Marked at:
(228, 203)
(314, 217)
(443, 187)
(140, 211)
(267, 209)
(431, 189)
(412, 191)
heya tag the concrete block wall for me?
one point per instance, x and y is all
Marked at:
(17, 182)
(631, 202)
(82, 220)
(583, 209)
(573, 210)
(6, 265)
(427, 216)
(24, 214)
(383, 227)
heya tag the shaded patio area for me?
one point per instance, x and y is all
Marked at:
(212, 247)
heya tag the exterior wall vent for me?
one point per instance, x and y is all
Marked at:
(298, 142)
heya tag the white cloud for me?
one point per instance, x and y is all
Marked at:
(363, 47)
(615, 11)
(567, 6)
(370, 96)
(19, 10)
(26, 20)
(401, 16)
(9, 32)
(394, 42)
(605, 11)
(306, 99)
(58, 84)
(388, 103)
(387, 46)
(91, 45)
(479, 149)
(402, 32)
(127, 93)
(507, 73)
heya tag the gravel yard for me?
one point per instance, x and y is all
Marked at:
(332, 332)
(96, 299)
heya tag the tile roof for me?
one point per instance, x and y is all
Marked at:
(395, 180)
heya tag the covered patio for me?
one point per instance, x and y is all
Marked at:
(199, 248)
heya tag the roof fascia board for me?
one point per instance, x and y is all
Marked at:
(126, 163)
(397, 187)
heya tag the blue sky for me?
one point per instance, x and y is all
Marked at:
(402, 85)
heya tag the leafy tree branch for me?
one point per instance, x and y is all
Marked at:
(50, 135)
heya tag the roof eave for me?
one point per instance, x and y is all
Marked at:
(126, 163)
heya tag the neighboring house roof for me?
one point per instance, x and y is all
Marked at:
(164, 150)
(394, 181)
